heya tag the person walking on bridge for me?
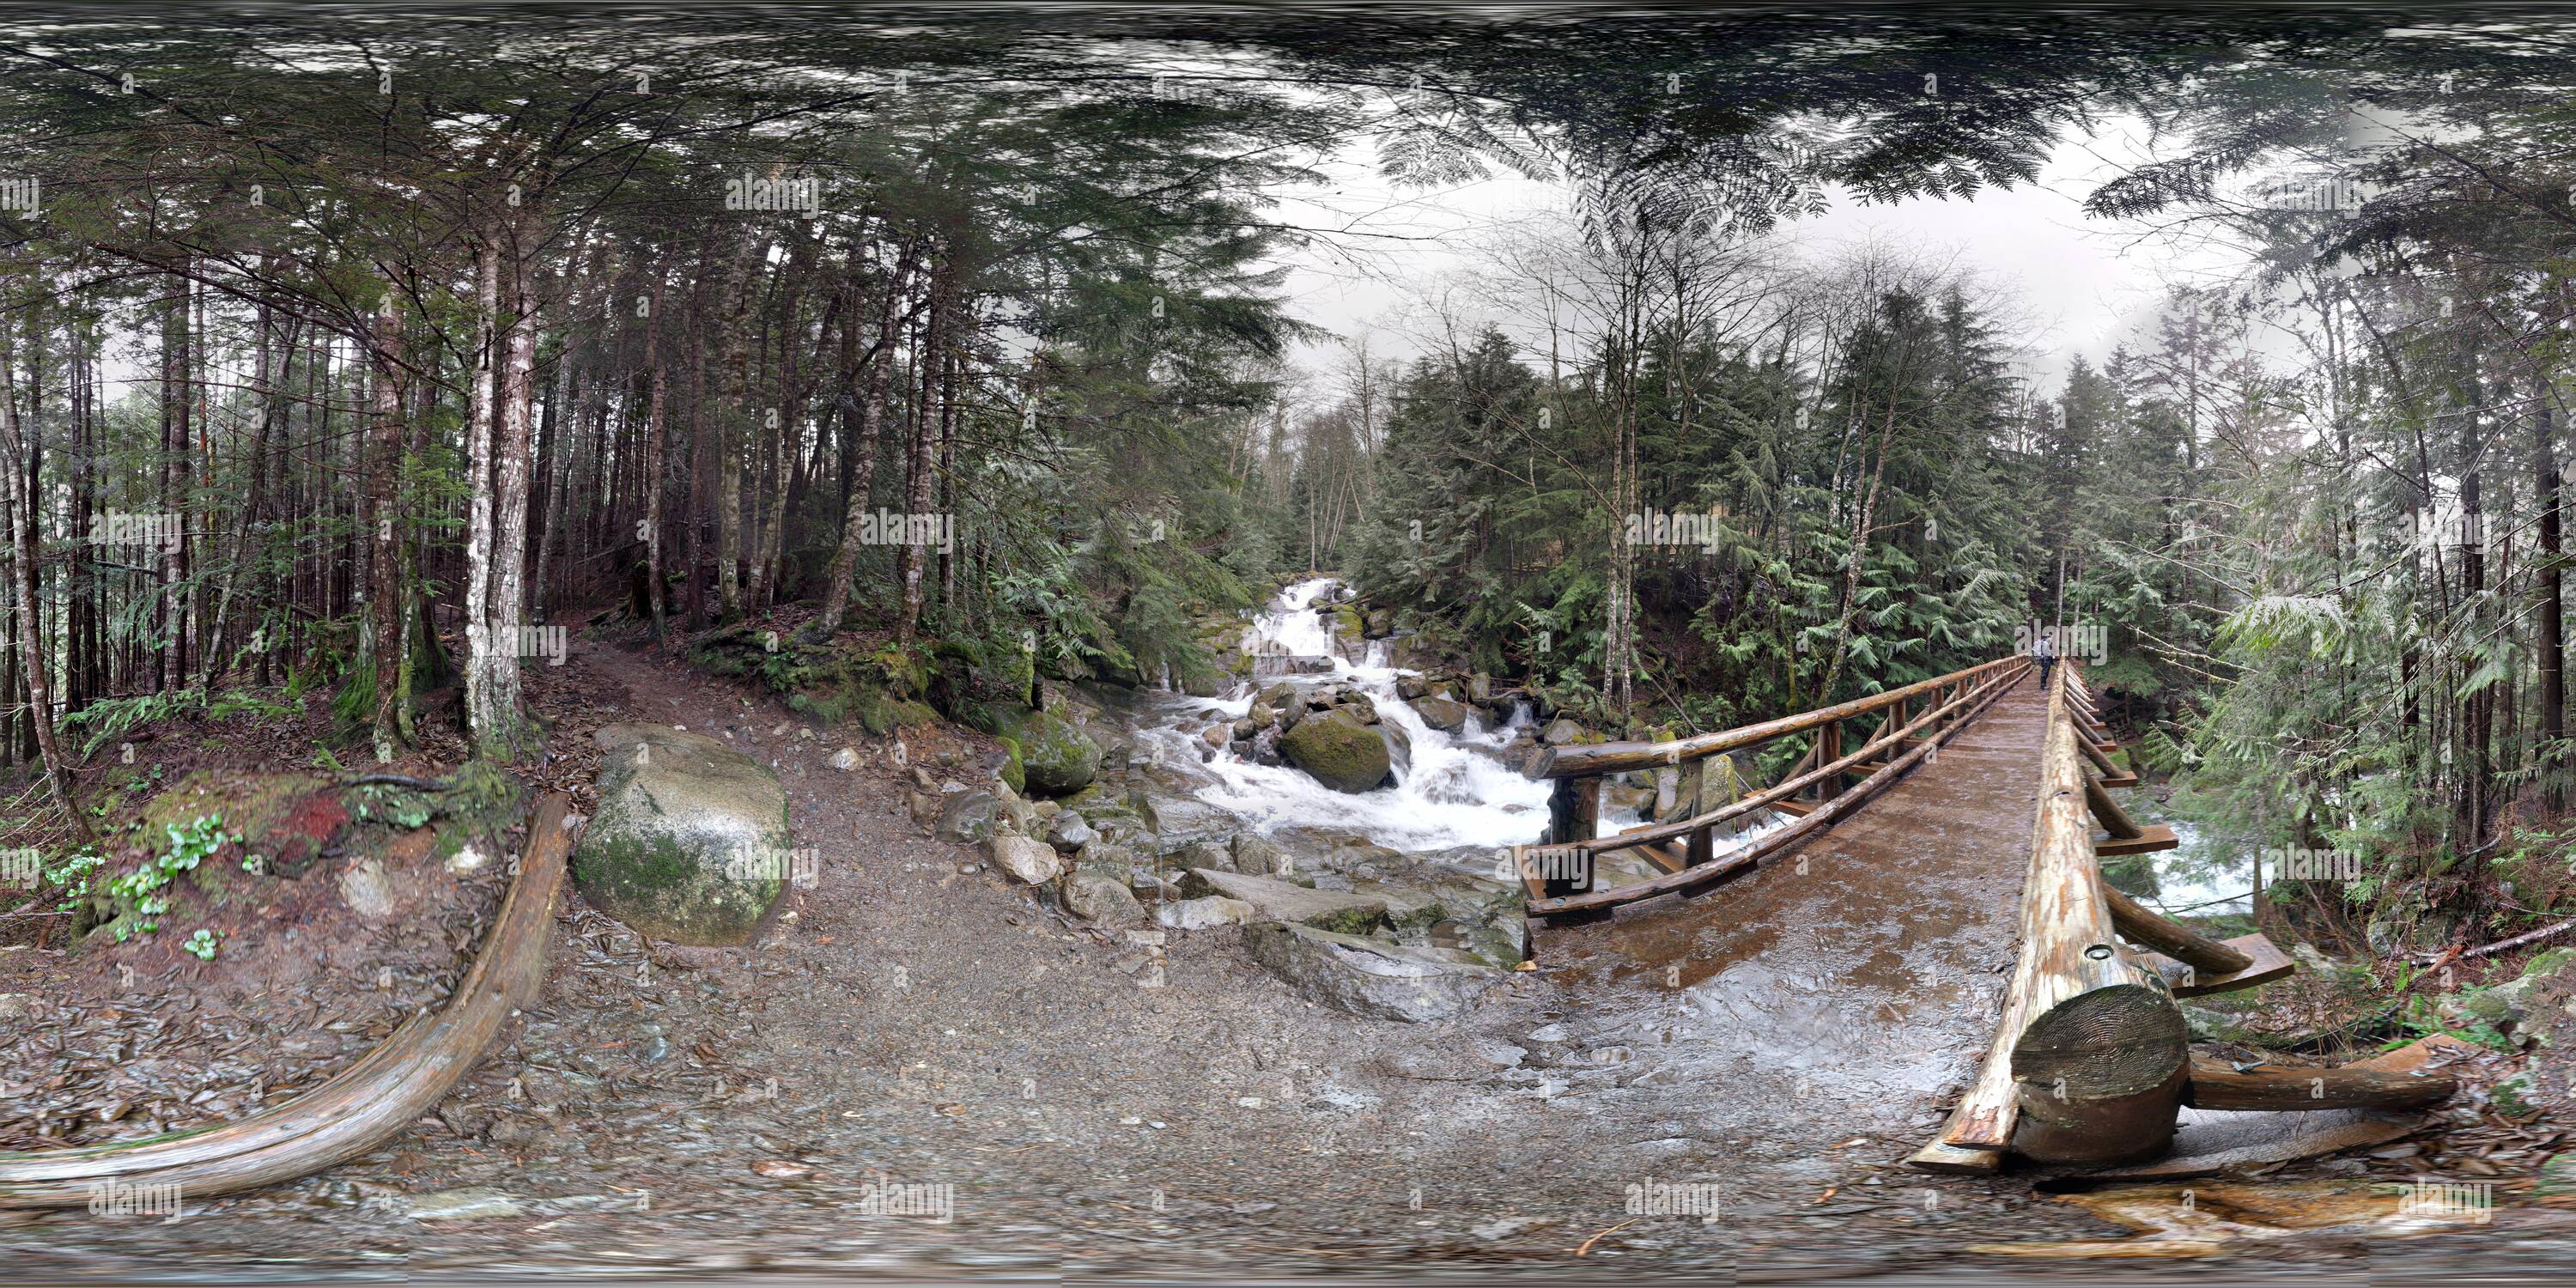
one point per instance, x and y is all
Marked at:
(2043, 650)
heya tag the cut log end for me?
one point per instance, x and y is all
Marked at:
(2099, 1076)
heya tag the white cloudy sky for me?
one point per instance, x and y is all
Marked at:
(2082, 284)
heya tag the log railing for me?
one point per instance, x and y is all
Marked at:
(2090, 1062)
(1559, 873)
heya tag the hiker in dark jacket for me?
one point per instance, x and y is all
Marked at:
(2044, 652)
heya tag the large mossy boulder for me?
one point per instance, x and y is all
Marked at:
(1056, 759)
(1339, 751)
(690, 842)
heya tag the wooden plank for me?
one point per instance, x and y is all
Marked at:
(1666, 855)
(2151, 839)
(1819, 817)
(2269, 963)
(1956, 1160)
(2108, 813)
(1785, 790)
(2209, 1142)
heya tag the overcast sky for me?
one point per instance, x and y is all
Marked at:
(2082, 284)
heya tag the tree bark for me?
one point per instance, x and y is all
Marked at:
(871, 415)
(924, 467)
(652, 480)
(385, 606)
(18, 462)
(2551, 623)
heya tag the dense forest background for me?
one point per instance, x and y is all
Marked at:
(340, 363)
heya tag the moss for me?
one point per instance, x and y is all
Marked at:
(1056, 758)
(1338, 751)
(1014, 773)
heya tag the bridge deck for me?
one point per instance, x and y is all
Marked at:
(1841, 987)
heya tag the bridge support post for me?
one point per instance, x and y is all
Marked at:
(1573, 814)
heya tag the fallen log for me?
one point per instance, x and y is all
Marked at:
(361, 1107)
(2216, 1084)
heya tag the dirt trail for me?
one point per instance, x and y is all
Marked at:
(918, 1020)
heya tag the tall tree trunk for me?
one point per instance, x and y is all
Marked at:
(652, 481)
(733, 416)
(264, 410)
(18, 460)
(863, 448)
(924, 466)
(2551, 623)
(386, 597)
(496, 539)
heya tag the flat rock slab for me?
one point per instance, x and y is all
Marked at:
(1374, 977)
(1275, 900)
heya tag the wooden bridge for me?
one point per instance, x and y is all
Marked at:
(1900, 837)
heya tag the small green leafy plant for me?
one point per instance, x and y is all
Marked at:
(190, 844)
(201, 945)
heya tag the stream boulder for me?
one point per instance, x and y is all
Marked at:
(1339, 751)
(1056, 759)
(1441, 713)
(676, 848)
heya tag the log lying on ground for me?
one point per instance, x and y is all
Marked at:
(2216, 1084)
(364, 1105)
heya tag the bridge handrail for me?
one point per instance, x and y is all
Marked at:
(2090, 1056)
(1621, 757)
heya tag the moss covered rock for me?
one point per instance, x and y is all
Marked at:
(1339, 751)
(1056, 759)
(690, 842)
